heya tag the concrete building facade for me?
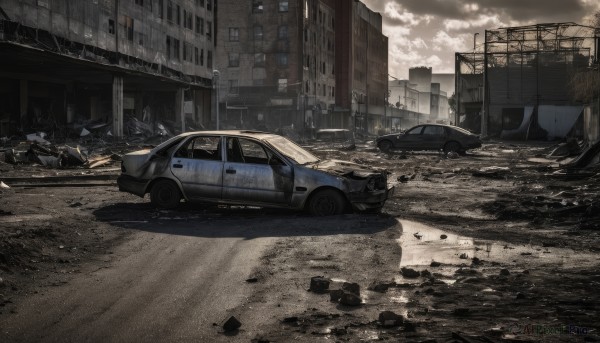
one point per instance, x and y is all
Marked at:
(276, 59)
(105, 60)
(307, 63)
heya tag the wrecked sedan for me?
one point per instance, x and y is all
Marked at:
(250, 168)
(430, 137)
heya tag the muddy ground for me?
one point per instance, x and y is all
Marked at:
(508, 253)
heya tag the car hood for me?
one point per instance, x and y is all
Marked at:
(344, 168)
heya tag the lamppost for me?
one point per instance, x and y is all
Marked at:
(216, 76)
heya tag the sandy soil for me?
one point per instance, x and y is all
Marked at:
(504, 254)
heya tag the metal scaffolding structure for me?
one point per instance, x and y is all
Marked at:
(517, 67)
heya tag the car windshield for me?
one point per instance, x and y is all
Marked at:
(292, 150)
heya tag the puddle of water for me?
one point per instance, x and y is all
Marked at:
(422, 244)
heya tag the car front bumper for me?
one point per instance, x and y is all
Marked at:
(362, 201)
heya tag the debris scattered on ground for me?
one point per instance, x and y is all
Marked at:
(319, 284)
(409, 273)
(231, 324)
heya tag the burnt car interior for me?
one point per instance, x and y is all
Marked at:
(201, 148)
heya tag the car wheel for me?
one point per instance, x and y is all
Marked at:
(452, 147)
(385, 146)
(327, 202)
(165, 194)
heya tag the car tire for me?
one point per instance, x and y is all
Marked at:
(452, 147)
(385, 145)
(327, 202)
(165, 194)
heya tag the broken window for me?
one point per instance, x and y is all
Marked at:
(170, 11)
(208, 30)
(178, 14)
(209, 61)
(282, 32)
(201, 57)
(201, 148)
(234, 59)
(253, 152)
(129, 28)
(200, 25)
(176, 48)
(209, 5)
(160, 9)
(139, 2)
(283, 5)
(196, 56)
(257, 6)
(259, 59)
(234, 34)
(282, 85)
(111, 26)
(168, 47)
(233, 87)
(282, 59)
(258, 32)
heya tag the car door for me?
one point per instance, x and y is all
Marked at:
(198, 165)
(253, 173)
(410, 140)
(434, 137)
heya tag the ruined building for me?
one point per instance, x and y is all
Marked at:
(108, 61)
(302, 63)
(519, 85)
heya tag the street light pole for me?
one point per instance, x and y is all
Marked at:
(216, 76)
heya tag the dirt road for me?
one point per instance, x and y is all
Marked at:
(507, 255)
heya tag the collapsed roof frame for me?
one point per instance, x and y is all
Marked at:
(503, 46)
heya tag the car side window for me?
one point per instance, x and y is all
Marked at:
(433, 130)
(253, 152)
(201, 148)
(416, 131)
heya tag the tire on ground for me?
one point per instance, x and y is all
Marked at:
(385, 145)
(452, 147)
(327, 202)
(165, 194)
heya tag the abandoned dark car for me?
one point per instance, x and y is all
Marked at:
(430, 137)
(250, 168)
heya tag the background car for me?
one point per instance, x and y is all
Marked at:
(250, 168)
(430, 137)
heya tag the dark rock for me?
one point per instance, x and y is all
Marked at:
(520, 295)
(339, 331)
(390, 319)
(351, 287)
(504, 272)
(319, 284)
(380, 287)
(350, 299)
(443, 236)
(476, 260)
(403, 178)
(435, 264)
(409, 273)
(425, 273)
(526, 271)
(335, 295)
(252, 280)
(411, 327)
(464, 256)
(231, 324)
(290, 319)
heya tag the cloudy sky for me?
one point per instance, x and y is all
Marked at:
(429, 32)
